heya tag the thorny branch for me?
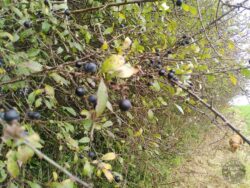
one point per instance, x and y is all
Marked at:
(214, 110)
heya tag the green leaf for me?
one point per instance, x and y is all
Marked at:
(87, 169)
(156, 86)
(107, 124)
(70, 110)
(48, 104)
(12, 185)
(245, 72)
(102, 98)
(34, 185)
(84, 140)
(59, 50)
(87, 123)
(78, 46)
(33, 52)
(32, 96)
(3, 174)
(12, 165)
(38, 102)
(17, 12)
(211, 78)
(150, 114)
(109, 30)
(6, 34)
(67, 184)
(59, 79)
(87, 37)
(45, 27)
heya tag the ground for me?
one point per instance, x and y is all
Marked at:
(203, 166)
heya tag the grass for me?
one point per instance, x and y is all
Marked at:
(244, 112)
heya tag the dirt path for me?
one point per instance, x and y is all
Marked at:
(204, 165)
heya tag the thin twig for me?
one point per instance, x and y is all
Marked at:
(204, 29)
(110, 5)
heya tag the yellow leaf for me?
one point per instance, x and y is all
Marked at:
(113, 63)
(86, 113)
(126, 71)
(139, 133)
(122, 16)
(233, 79)
(24, 153)
(108, 175)
(2, 71)
(55, 176)
(109, 156)
(105, 165)
(105, 46)
(127, 43)
(49, 90)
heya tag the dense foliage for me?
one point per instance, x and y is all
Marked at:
(93, 87)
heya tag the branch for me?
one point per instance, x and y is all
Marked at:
(211, 108)
(110, 5)
(45, 70)
(238, 5)
(204, 29)
(218, 19)
(220, 71)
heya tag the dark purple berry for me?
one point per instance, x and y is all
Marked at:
(80, 91)
(171, 75)
(179, 3)
(125, 105)
(117, 179)
(11, 115)
(92, 155)
(27, 24)
(34, 115)
(173, 71)
(92, 99)
(81, 156)
(67, 12)
(162, 72)
(46, 2)
(90, 67)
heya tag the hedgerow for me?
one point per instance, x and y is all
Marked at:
(86, 86)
